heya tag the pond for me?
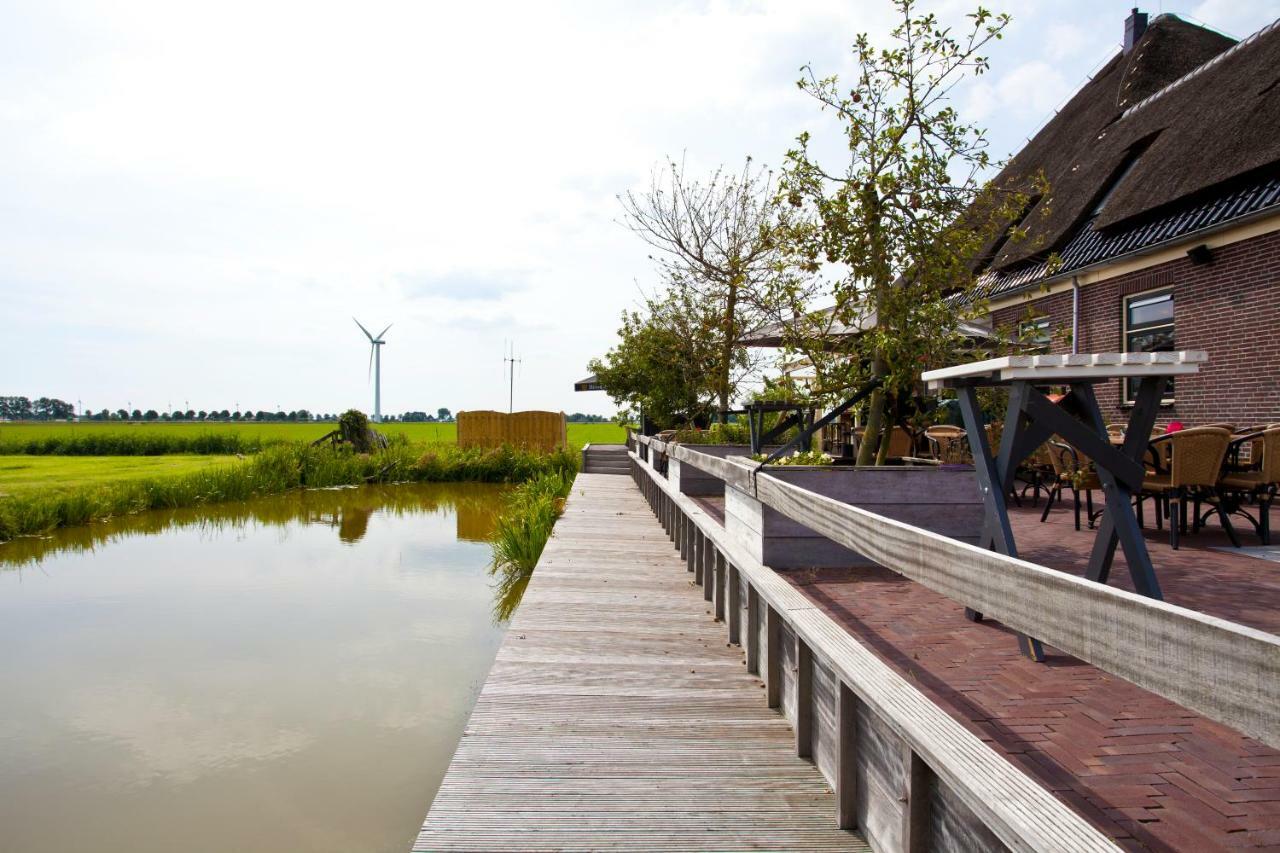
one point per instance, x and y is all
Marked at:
(291, 673)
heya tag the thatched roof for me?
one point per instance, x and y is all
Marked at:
(1184, 112)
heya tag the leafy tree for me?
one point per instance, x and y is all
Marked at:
(16, 408)
(151, 415)
(716, 240)
(666, 359)
(443, 414)
(898, 226)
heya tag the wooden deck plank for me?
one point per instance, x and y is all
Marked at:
(616, 715)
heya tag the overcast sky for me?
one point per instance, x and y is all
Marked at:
(196, 198)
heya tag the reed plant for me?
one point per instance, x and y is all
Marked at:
(99, 443)
(520, 534)
(273, 470)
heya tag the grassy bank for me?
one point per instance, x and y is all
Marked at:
(274, 470)
(520, 534)
(114, 438)
(23, 474)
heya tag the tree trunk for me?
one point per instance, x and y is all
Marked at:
(871, 433)
(726, 356)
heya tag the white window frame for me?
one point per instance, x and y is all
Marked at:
(1126, 303)
(1040, 325)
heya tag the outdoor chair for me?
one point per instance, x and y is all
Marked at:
(948, 444)
(1195, 465)
(1073, 470)
(1037, 473)
(1254, 483)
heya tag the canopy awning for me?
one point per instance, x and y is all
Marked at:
(588, 384)
(773, 334)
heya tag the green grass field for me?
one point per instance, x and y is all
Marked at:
(20, 474)
(418, 433)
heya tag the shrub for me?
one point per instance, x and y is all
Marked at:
(520, 534)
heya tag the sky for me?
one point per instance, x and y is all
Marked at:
(196, 198)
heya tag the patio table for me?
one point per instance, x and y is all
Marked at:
(1032, 419)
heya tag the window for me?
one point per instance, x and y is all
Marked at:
(1035, 336)
(1148, 327)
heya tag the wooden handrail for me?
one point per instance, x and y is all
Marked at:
(1013, 806)
(1227, 671)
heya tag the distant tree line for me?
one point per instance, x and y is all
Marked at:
(43, 409)
(52, 409)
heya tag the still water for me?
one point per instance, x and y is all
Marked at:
(285, 674)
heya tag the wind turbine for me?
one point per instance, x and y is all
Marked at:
(375, 364)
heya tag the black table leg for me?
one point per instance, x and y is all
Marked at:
(1119, 524)
(992, 475)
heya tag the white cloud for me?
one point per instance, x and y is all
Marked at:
(195, 199)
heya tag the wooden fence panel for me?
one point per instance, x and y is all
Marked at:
(543, 431)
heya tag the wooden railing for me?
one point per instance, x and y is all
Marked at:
(865, 726)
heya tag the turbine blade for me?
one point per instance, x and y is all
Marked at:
(371, 348)
(363, 329)
(384, 331)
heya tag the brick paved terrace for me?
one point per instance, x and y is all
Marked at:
(1150, 773)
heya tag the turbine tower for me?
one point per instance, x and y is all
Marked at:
(375, 365)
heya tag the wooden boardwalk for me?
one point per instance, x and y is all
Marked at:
(616, 716)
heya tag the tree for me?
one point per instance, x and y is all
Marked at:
(443, 414)
(151, 415)
(666, 359)
(716, 240)
(902, 221)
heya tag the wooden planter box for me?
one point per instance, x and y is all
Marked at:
(945, 500)
(692, 481)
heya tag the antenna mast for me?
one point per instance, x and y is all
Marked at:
(511, 361)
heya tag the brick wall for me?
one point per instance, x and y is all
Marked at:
(1229, 308)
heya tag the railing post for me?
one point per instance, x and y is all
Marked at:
(915, 813)
(846, 758)
(718, 569)
(773, 657)
(753, 631)
(696, 545)
(734, 604)
(708, 570)
(804, 699)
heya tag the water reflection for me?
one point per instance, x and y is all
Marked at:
(287, 674)
(348, 510)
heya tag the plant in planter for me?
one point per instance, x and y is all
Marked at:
(799, 457)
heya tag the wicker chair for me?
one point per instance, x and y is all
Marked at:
(1195, 466)
(1073, 470)
(948, 444)
(1256, 484)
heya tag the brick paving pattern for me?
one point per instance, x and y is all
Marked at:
(1150, 773)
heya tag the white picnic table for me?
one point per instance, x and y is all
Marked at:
(1033, 419)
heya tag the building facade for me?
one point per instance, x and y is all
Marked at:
(1161, 226)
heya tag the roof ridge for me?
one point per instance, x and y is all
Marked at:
(1194, 72)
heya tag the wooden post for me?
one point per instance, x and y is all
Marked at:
(734, 604)
(708, 571)
(915, 814)
(696, 547)
(804, 699)
(773, 657)
(846, 758)
(682, 533)
(719, 572)
(753, 631)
